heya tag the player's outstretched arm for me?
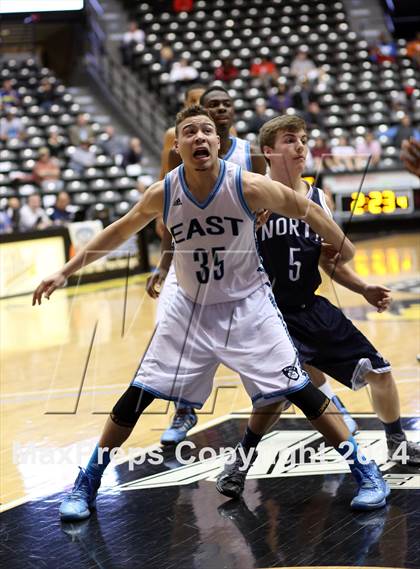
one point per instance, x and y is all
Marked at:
(262, 193)
(377, 295)
(110, 238)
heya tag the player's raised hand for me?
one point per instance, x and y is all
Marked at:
(154, 283)
(378, 296)
(410, 155)
(48, 286)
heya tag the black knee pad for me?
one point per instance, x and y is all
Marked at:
(310, 400)
(130, 406)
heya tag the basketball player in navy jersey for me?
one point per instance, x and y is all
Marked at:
(291, 252)
(207, 204)
(221, 107)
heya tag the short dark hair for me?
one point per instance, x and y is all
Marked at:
(210, 90)
(193, 87)
(194, 111)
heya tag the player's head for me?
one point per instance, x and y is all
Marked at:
(284, 142)
(193, 94)
(220, 105)
(196, 139)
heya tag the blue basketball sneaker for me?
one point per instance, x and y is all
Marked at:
(82, 499)
(184, 420)
(348, 419)
(373, 490)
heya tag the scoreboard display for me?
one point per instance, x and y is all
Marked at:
(392, 195)
(378, 202)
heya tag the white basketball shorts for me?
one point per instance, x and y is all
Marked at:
(249, 336)
(167, 294)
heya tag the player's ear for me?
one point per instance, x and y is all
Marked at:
(175, 147)
(267, 151)
(218, 142)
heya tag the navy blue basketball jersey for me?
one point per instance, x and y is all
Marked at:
(290, 252)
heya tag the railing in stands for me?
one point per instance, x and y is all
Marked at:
(134, 100)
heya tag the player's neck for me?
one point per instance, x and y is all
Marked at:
(225, 142)
(289, 178)
(201, 182)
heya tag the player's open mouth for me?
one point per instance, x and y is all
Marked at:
(201, 153)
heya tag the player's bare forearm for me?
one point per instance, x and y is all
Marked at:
(343, 275)
(118, 232)
(107, 240)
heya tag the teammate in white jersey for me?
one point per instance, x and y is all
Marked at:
(236, 321)
(232, 149)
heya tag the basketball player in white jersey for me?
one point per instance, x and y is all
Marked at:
(232, 149)
(232, 318)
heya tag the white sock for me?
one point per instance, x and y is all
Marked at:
(327, 390)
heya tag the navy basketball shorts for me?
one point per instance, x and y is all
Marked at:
(329, 341)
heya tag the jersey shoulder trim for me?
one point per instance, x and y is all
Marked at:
(239, 189)
(248, 155)
(166, 197)
(232, 148)
(212, 194)
(323, 201)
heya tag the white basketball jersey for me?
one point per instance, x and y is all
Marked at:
(239, 153)
(215, 258)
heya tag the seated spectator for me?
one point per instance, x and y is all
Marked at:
(302, 67)
(56, 142)
(279, 98)
(369, 146)
(32, 215)
(302, 94)
(344, 155)
(45, 94)
(413, 50)
(166, 57)
(61, 214)
(226, 71)
(82, 158)
(321, 154)
(114, 145)
(81, 131)
(405, 131)
(131, 39)
(314, 117)
(384, 50)
(260, 117)
(265, 69)
(11, 126)
(134, 153)
(46, 169)
(182, 5)
(5, 222)
(9, 97)
(13, 211)
(182, 72)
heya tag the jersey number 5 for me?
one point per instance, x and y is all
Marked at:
(294, 266)
(218, 265)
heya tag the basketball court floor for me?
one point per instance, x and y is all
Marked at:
(65, 363)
